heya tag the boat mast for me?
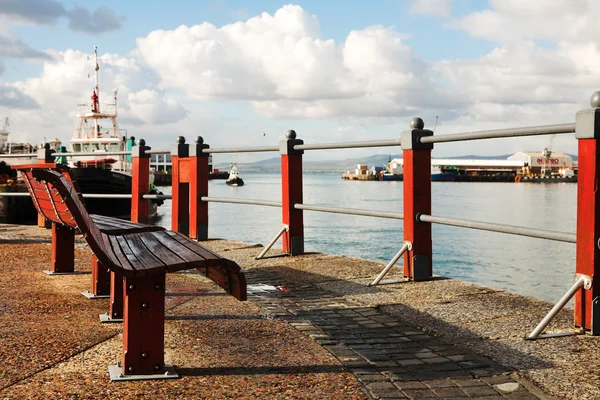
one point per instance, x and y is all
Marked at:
(96, 95)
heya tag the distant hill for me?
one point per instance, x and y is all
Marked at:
(338, 166)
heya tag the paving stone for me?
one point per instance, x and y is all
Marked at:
(479, 391)
(409, 362)
(449, 392)
(493, 380)
(469, 382)
(372, 378)
(436, 360)
(381, 386)
(440, 383)
(420, 394)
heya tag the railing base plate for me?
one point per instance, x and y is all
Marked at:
(116, 374)
(106, 319)
(93, 296)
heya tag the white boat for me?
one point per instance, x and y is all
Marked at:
(97, 130)
(234, 177)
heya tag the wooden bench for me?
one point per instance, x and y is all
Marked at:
(142, 258)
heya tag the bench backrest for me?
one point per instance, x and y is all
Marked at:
(55, 196)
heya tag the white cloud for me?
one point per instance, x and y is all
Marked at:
(287, 70)
(439, 8)
(64, 84)
(555, 20)
(152, 107)
(282, 68)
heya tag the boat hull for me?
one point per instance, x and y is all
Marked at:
(235, 182)
(103, 181)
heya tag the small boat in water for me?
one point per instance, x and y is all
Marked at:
(234, 177)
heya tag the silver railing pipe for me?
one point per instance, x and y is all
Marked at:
(285, 228)
(582, 281)
(242, 149)
(350, 211)
(92, 153)
(502, 228)
(158, 151)
(14, 194)
(241, 201)
(24, 155)
(405, 247)
(502, 133)
(348, 145)
(157, 196)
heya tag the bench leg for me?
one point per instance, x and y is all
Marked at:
(115, 310)
(63, 250)
(100, 281)
(144, 329)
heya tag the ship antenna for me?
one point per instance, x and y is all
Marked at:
(436, 121)
(97, 68)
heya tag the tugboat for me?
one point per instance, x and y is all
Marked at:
(103, 174)
(234, 177)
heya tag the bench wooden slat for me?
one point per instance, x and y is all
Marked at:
(116, 226)
(121, 259)
(182, 251)
(138, 267)
(210, 257)
(145, 257)
(168, 255)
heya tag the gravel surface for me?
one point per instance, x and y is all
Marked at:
(53, 345)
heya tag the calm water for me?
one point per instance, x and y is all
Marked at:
(533, 267)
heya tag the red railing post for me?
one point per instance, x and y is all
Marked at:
(180, 187)
(140, 181)
(417, 200)
(587, 132)
(291, 186)
(198, 189)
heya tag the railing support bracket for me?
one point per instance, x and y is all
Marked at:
(582, 281)
(407, 246)
(285, 228)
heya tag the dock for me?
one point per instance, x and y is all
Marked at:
(306, 332)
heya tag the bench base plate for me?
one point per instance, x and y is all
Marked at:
(48, 272)
(92, 296)
(115, 372)
(105, 319)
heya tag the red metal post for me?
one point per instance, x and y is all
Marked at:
(291, 186)
(144, 325)
(63, 249)
(44, 156)
(100, 278)
(115, 310)
(180, 187)
(198, 165)
(140, 181)
(588, 215)
(417, 200)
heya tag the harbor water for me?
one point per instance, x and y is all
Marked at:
(533, 267)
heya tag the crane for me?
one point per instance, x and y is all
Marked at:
(546, 157)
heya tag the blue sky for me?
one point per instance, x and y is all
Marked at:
(332, 70)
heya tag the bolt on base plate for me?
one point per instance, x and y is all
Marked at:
(116, 374)
(105, 319)
(92, 296)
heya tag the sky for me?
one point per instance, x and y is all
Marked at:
(241, 73)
